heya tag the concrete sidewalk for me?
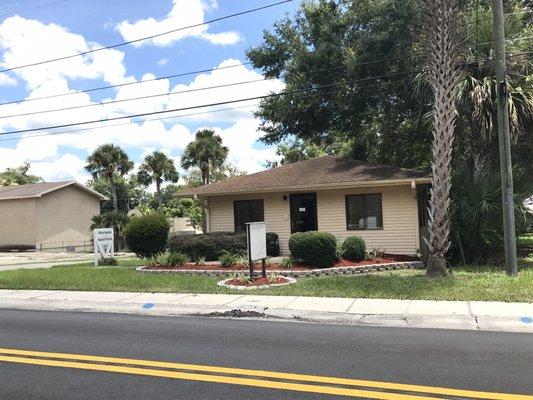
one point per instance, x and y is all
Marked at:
(469, 315)
(34, 260)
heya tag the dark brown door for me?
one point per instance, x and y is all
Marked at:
(303, 212)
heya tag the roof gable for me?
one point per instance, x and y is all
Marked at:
(316, 172)
(36, 190)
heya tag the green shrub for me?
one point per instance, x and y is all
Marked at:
(318, 249)
(108, 262)
(147, 235)
(228, 259)
(287, 262)
(208, 245)
(272, 242)
(354, 248)
(177, 259)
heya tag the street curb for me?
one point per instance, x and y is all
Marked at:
(455, 322)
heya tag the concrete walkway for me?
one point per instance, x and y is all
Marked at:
(33, 260)
(469, 315)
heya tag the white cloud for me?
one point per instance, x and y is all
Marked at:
(183, 13)
(6, 80)
(68, 166)
(25, 41)
(162, 62)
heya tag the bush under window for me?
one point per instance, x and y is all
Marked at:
(354, 248)
(315, 248)
(208, 245)
(272, 241)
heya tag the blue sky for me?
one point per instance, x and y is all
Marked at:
(78, 25)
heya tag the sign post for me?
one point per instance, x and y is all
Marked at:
(103, 243)
(256, 245)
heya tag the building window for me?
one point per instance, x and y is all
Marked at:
(364, 211)
(247, 211)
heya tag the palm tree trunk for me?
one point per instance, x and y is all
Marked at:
(158, 192)
(113, 193)
(443, 75)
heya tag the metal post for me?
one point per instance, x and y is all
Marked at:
(504, 140)
(263, 267)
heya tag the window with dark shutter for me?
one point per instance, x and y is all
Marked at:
(247, 211)
(364, 211)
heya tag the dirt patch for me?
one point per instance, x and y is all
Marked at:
(259, 281)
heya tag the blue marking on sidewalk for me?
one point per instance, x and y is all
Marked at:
(526, 320)
(147, 306)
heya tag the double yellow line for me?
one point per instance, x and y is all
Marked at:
(248, 377)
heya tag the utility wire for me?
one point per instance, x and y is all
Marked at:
(33, 8)
(171, 117)
(135, 98)
(197, 106)
(157, 95)
(181, 74)
(114, 46)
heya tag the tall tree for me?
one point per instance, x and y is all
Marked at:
(18, 176)
(444, 75)
(294, 151)
(106, 162)
(157, 167)
(206, 152)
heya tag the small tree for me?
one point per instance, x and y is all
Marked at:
(157, 167)
(107, 161)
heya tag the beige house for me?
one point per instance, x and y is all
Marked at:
(47, 216)
(382, 204)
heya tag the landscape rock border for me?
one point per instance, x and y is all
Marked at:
(236, 287)
(355, 270)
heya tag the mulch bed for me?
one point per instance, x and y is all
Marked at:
(258, 281)
(274, 266)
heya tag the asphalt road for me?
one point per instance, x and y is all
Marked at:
(480, 361)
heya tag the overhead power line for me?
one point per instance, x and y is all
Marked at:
(114, 46)
(197, 106)
(157, 95)
(176, 116)
(33, 8)
(105, 103)
(158, 78)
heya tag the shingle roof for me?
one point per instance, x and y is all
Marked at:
(327, 171)
(40, 189)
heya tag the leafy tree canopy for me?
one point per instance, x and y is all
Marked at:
(18, 176)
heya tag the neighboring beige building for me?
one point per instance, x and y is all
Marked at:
(47, 216)
(382, 204)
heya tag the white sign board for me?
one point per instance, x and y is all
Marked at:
(103, 240)
(256, 233)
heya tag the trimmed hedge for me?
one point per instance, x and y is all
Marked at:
(272, 241)
(147, 235)
(354, 248)
(208, 245)
(315, 248)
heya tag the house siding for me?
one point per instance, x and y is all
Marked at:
(400, 225)
(64, 217)
(17, 222)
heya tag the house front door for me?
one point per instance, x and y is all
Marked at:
(303, 212)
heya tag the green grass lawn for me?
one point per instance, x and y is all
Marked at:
(467, 283)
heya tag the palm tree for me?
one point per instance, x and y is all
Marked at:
(444, 75)
(107, 161)
(205, 152)
(477, 88)
(157, 167)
